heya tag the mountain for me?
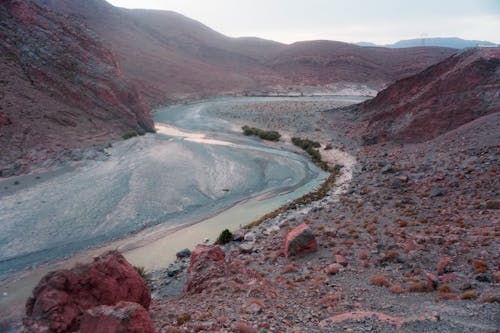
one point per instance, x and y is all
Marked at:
(79, 73)
(323, 62)
(458, 90)
(61, 87)
(449, 42)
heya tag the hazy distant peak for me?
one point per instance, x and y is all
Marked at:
(450, 42)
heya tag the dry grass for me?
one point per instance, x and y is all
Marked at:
(470, 294)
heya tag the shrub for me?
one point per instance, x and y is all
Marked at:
(480, 266)
(183, 318)
(144, 275)
(469, 294)
(129, 134)
(264, 135)
(225, 237)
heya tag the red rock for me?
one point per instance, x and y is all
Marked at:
(124, 317)
(61, 297)
(300, 239)
(210, 271)
(242, 327)
(332, 269)
(339, 259)
(212, 253)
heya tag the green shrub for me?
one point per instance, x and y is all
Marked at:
(264, 135)
(142, 272)
(225, 237)
(129, 134)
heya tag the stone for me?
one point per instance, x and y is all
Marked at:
(204, 252)
(242, 327)
(124, 317)
(387, 169)
(246, 247)
(238, 236)
(301, 239)
(174, 269)
(61, 297)
(438, 191)
(249, 237)
(340, 260)
(332, 269)
(183, 253)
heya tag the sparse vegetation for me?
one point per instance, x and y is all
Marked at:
(144, 275)
(263, 134)
(129, 134)
(304, 200)
(183, 318)
(225, 237)
(470, 294)
(310, 147)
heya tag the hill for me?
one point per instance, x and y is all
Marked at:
(443, 97)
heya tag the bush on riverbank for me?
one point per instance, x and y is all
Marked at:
(310, 147)
(225, 237)
(264, 135)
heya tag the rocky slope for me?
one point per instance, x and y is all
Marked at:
(441, 98)
(61, 87)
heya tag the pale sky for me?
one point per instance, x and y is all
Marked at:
(377, 21)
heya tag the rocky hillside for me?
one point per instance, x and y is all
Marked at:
(61, 87)
(323, 62)
(443, 97)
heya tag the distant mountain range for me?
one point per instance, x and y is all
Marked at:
(450, 42)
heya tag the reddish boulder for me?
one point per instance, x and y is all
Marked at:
(207, 264)
(61, 297)
(211, 272)
(124, 317)
(203, 252)
(300, 239)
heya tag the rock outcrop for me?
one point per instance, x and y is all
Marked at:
(124, 317)
(61, 297)
(211, 270)
(300, 239)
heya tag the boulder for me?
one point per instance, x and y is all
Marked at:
(207, 263)
(183, 254)
(124, 317)
(61, 297)
(301, 239)
(203, 253)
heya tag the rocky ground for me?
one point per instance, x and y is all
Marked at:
(411, 245)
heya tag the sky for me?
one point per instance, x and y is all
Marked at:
(377, 21)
